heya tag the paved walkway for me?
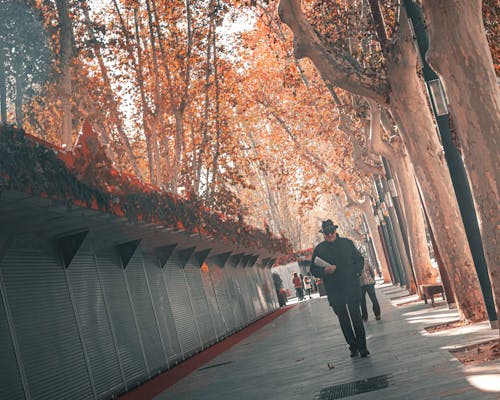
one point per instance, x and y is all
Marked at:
(288, 358)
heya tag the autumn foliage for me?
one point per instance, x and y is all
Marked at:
(205, 100)
(84, 179)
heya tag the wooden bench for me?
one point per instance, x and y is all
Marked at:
(430, 289)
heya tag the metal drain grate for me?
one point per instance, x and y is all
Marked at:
(353, 388)
(215, 365)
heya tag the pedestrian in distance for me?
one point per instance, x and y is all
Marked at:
(367, 283)
(339, 264)
(307, 286)
(282, 297)
(297, 284)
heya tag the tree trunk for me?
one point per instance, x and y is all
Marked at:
(396, 155)
(411, 112)
(367, 210)
(419, 250)
(266, 187)
(115, 112)
(3, 88)
(200, 153)
(460, 53)
(65, 59)
(396, 228)
(179, 97)
(158, 101)
(174, 172)
(19, 99)
(217, 117)
(138, 67)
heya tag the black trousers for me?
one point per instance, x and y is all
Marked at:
(351, 324)
(370, 289)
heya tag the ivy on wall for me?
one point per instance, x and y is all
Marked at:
(87, 179)
(298, 256)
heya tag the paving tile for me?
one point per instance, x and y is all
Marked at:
(288, 358)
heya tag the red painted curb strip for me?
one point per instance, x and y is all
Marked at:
(163, 381)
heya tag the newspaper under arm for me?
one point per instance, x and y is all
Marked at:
(324, 264)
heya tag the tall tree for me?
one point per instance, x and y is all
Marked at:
(460, 53)
(116, 115)
(398, 158)
(401, 91)
(350, 112)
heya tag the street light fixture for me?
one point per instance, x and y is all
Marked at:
(438, 97)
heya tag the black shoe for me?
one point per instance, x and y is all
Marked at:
(354, 353)
(365, 319)
(364, 353)
(377, 317)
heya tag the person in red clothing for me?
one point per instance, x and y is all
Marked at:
(297, 283)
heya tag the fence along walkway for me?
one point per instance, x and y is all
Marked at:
(99, 327)
(288, 359)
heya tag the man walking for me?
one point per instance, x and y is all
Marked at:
(338, 263)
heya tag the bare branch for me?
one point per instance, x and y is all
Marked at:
(376, 144)
(350, 201)
(333, 66)
(361, 164)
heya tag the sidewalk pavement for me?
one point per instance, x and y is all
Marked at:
(302, 355)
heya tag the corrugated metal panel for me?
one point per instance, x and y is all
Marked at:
(146, 320)
(220, 289)
(259, 302)
(45, 324)
(220, 328)
(122, 319)
(240, 295)
(258, 296)
(94, 325)
(163, 311)
(244, 296)
(270, 291)
(271, 295)
(12, 386)
(181, 306)
(265, 289)
(233, 291)
(200, 304)
(253, 292)
(256, 287)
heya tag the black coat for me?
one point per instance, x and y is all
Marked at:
(342, 286)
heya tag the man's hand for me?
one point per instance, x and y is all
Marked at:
(331, 269)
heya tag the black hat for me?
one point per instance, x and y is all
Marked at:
(328, 225)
